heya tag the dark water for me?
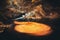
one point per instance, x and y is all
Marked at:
(10, 34)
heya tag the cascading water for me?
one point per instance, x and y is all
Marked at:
(21, 6)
